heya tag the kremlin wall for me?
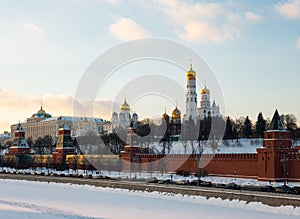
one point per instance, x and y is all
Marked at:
(277, 160)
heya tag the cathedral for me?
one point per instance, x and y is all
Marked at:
(124, 118)
(206, 109)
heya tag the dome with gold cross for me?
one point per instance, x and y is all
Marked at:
(125, 106)
(205, 91)
(191, 74)
(176, 113)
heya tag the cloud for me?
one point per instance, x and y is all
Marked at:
(127, 29)
(202, 22)
(200, 31)
(298, 43)
(16, 108)
(250, 16)
(290, 10)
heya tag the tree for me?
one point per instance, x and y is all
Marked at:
(247, 128)
(228, 129)
(8, 144)
(47, 143)
(29, 141)
(290, 121)
(260, 126)
(190, 134)
(38, 145)
(239, 124)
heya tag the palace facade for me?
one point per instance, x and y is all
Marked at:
(42, 123)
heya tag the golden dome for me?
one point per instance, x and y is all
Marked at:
(176, 113)
(165, 116)
(85, 119)
(205, 90)
(191, 74)
(125, 106)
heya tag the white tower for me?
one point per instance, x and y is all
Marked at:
(191, 95)
(205, 109)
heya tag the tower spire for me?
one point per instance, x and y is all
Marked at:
(191, 63)
(41, 103)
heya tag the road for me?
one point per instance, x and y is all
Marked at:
(272, 199)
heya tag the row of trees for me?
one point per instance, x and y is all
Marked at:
(243, 127)
(215, 128)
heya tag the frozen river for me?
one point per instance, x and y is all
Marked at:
(22, 199)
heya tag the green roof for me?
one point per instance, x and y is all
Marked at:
(276, 123)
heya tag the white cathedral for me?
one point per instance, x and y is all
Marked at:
(206, 109)
(124, 118)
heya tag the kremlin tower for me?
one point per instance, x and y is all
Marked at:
(20, 145)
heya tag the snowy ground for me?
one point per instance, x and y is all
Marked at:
(224, 146)
(22, 199)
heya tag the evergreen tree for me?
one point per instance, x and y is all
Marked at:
(247, 128)
(260, 126)
(228, 129)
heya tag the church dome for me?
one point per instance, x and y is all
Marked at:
(41, 114)
(176, 113)
(125, 106)
(165, 116)
(191, 74)
(205, 91)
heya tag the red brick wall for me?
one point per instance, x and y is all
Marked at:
(220, 164)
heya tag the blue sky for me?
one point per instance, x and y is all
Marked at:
(253, 48)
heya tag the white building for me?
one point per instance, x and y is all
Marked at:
(206, 109)
(124, 118)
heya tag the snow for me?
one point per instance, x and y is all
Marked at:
(23, 199)
(224, 146)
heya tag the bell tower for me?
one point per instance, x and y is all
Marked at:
(191, 95)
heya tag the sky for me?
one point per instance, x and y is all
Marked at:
(253, 48)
